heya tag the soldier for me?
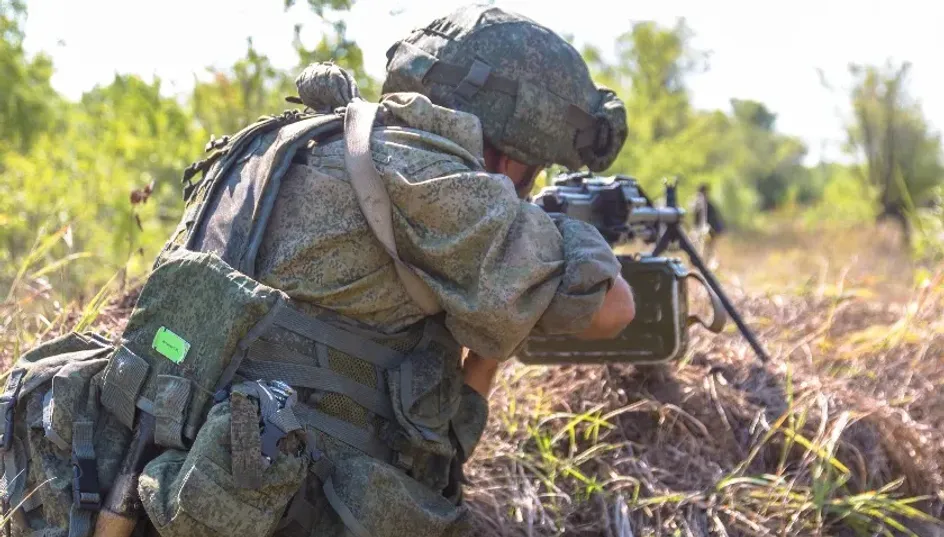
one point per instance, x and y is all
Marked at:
(709, 224)
(475, 105)
(499, 266)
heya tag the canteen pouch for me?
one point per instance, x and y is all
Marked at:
(190, 327)
(373, 498)
(425, 391)
(657, 334)
(203, 492)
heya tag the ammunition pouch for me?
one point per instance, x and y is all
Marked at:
(658, 333)
(227, 483)
(374, 498)
(188, 332)
(424, 390)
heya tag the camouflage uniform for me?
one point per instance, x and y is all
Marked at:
(500, 267)
(298, 387)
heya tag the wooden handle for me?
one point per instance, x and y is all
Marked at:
(113, 525)
(119, 514)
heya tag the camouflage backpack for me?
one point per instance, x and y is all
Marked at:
(225, 407)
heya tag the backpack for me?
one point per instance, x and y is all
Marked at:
(193, 417)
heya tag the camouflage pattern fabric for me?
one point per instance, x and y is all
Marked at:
(500, 266)
(198, 492)
(324, 86)
(379, 413)
(52, 397)
(210, 310)
(531, 88)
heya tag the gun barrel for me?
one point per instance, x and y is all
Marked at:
(655, 215)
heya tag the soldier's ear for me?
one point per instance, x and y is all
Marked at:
(521, 174)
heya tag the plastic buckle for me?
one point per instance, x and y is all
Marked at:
(271, 435)
(86, 492)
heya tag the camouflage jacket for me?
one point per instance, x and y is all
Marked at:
(500, 266)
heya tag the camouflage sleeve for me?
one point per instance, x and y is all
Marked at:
(501, 267)
(590, 266)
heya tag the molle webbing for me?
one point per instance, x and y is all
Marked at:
(342, 340)
(270, 361)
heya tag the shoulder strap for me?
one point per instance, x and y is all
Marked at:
(243, 185)
(374, 199)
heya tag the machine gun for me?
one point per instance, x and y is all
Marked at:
(623, 213)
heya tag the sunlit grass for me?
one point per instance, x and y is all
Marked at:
(835, 437)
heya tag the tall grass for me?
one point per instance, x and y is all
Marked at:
(841, 434)
(32, 309)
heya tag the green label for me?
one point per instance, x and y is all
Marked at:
(170, 345)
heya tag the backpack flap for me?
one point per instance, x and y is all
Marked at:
(192, 323)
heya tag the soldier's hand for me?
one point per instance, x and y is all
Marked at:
(479, 372)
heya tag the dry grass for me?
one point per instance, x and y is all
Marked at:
(842, 433)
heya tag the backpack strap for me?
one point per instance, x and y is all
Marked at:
(374, 199)
(243, 184)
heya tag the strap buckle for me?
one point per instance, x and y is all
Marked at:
(474, 80)
(86, 491)
(272, 434)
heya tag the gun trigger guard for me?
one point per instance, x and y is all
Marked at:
(718, 316)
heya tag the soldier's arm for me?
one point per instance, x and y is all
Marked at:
(503, 268)
(614, 315)
(617, 311)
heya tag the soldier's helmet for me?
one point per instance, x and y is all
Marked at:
(530, 88)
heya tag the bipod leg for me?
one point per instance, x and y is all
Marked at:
(676, 234)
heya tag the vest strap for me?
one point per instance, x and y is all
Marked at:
(374, 199)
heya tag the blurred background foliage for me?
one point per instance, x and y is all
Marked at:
(105, 170)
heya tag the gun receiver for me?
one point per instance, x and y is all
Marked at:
(623, 213)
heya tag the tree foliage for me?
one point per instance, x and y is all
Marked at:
(109, 164)
(739, 153)
(900, 155)
(27, 100)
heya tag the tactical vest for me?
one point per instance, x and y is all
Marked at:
(261, 407)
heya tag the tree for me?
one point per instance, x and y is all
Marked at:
(667, 137)
(235, 97)
(112, 172)
(770, 162)
(27, 100)
(899, 154)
